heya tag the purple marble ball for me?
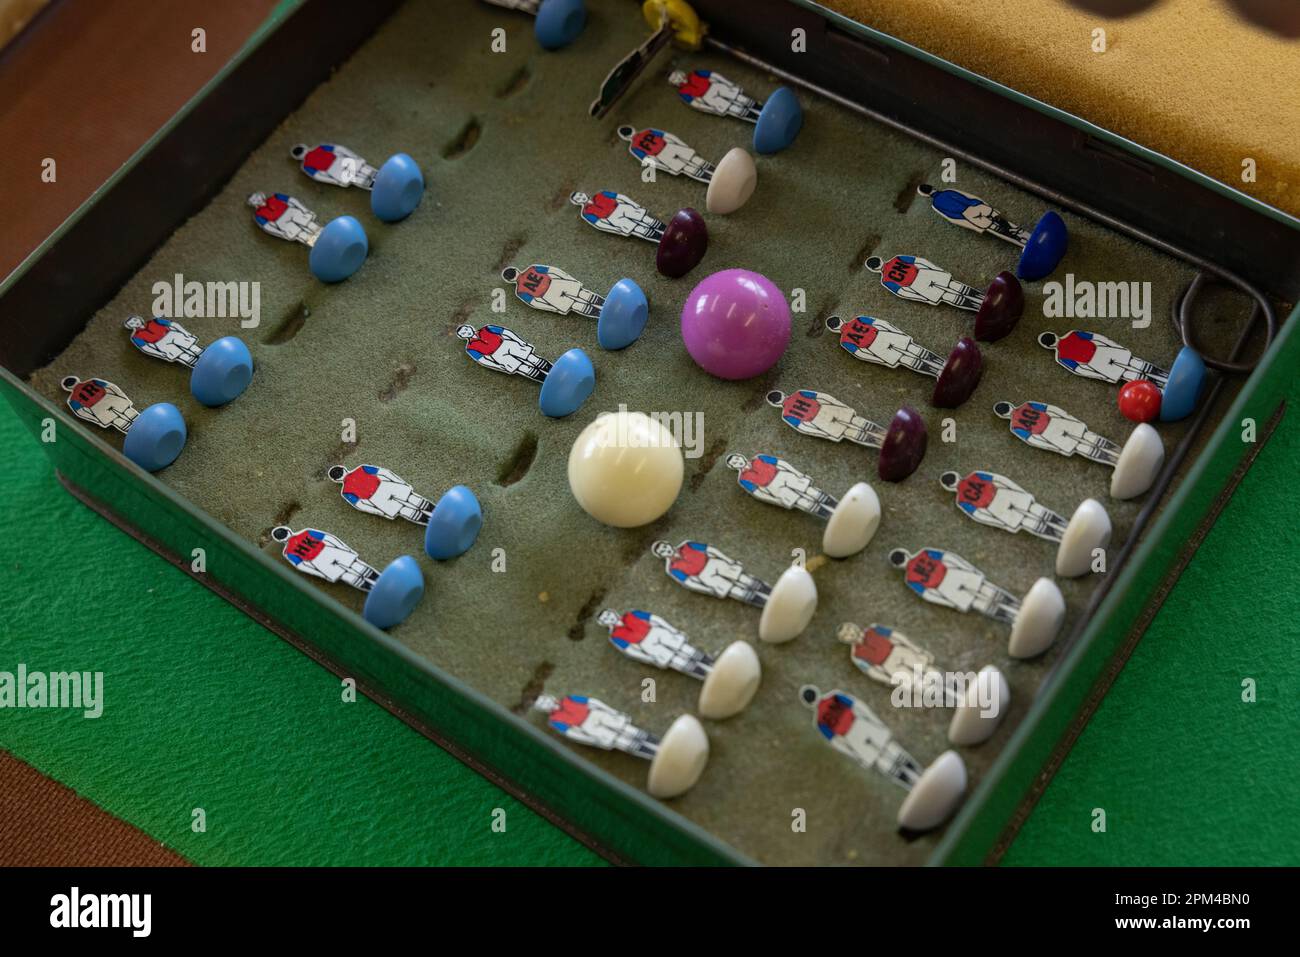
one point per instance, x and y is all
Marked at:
(735, 324)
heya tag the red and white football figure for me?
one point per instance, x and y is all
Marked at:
(285, 217)
(375, 490)
(334, 164)
(919, 280)
(553, 290)
(885, 655)
(666, 152)
(99, 402)
(321, 555)
(164, 339)
(1093, 356)
(730, 680)
(854, 730)
(875, 340)
(704, 569)
(776, 482)
(676, 761)
(612, 212)
(996, 501)
(787, 606)
(501, 349)
(823, 416)
(1055, 430)
(945, 578)
(710, 92)
(650, 640)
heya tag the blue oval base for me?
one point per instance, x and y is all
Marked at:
(156, 437)
(395, 595)
(779, 122)
(1045, 249)
(623, 316)
(559, 23)
(1183, 390)
(398, 189)
(454, 525)
(222, 373)
(568, 384)
(340, 250)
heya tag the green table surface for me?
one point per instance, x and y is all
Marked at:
(204, 708)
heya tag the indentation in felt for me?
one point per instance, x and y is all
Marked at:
(262, 459)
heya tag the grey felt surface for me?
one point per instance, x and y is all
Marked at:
(503, 138)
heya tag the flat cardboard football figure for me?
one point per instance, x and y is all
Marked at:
(704, 569)
(666, 152)
(884, 654)
(1093, 356)
(321, 555)
(164, 339)
(620, 215)
(285, 217)
(590, 721)
(777, 482)
(501, 349)
(100, 403)
(995, 500)
(971, 212)
(945, 578)
(1047, 427)
(649, 639)
(919, 280)
(875, 340)
(553, 290)
(710, 92)
(336, 165)
(853, 729)
(823, 416)
(377, 491)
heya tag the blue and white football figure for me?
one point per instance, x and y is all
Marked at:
(551, 289)
(1093, 356)
(620, 215)
(704, 569)
(775, 481)
(875, 340)
(973, 213)
(919, 280)
(375, 490)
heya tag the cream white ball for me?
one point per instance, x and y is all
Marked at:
(625, 469)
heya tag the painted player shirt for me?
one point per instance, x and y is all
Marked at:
(88, 394)
(318, 160)
(361, 483)
(801, 407)
(760, 472)
(572, 713)
(976, 491)
(305, 546)
(1075, 348)
(271, 209)
(953, 203)
(631, 629)
(690, 561)
(648, 143)
(151, 332)
(834, 715)
(858, 334)
(875, 646)
(696, 84)
(1030, 418)
(601, 206)
(900, 272)
(533, 282)
(926, 570)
